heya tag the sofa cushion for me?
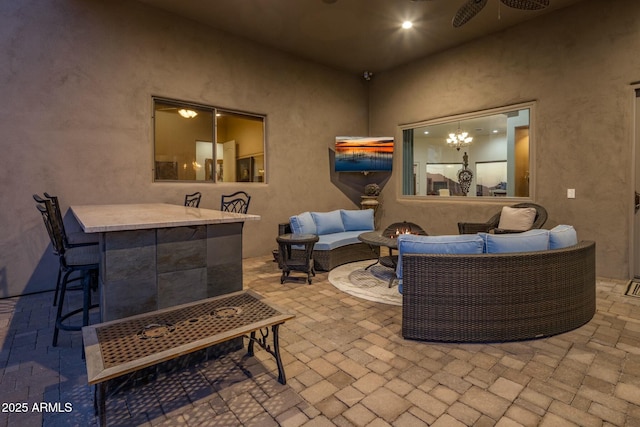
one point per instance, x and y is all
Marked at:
(354, 220)
(517, 219)
(529, 241)
(303, 224)
(447, 244)
(328, 222)
(327, 242)
(562, 236)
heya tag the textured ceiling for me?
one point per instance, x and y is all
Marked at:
(351, 35)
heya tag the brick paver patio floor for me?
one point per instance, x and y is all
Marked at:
(346, 364)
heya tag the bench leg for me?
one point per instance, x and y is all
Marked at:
(251, 341)
(99, 405)
(275, 351)
(282, 379)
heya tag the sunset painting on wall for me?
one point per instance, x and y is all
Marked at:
(363, 153)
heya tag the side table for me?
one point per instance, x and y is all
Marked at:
(302, 264)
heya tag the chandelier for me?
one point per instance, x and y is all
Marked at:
(459, 139)
(187, 114)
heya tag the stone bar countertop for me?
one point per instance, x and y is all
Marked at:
(120, 217)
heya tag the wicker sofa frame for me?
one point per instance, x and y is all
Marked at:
(498, 297)
(324, 260)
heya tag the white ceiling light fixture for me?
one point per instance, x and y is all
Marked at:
(407, 24)
(187, 114)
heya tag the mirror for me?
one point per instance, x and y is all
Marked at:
(475, 155)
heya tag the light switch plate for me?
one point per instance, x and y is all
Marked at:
(571, 193)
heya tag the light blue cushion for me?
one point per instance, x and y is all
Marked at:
(328, 222)
(303, 224)
(448, 244)
(327, 242)
(562, 236)
(529, 241)
(354, 220)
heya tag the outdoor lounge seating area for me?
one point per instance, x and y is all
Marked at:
(517, 284)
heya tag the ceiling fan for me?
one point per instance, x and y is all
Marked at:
(472, 7)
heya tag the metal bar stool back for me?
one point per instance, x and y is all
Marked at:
(236, 202)
(72, 239)
(193, 200)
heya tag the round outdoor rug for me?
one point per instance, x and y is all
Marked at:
(371, 284)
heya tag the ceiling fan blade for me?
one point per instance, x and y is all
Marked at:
(468, 10)
(526, 4)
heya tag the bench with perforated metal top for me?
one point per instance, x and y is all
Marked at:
(123, 346)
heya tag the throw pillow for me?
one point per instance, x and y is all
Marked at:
(517, 219)
(303, 224)
(562, 236)
(355, 220)
(529, 241)
(328, 222)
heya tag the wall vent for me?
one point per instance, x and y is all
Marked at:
(633, 288)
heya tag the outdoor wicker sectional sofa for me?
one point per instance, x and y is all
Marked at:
(497, 297)
(338, 233)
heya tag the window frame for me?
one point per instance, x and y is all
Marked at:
(407, 158)
(215, 114)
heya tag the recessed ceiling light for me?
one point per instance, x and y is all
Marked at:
(407, 24)
(495, 131)
(426, 132)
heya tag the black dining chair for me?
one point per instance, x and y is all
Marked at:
(193, 200)
(236, 202)
(81, 259)
(69, 240)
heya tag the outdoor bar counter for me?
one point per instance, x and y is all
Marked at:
(159, 255)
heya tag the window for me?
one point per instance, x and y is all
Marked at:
(481, 154)
(200, 143)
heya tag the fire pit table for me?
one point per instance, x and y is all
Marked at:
(388, 239)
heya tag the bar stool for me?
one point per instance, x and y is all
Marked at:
(82, 259)
(69, 240)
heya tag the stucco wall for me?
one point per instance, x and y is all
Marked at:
(578, 64)
(76, 79)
